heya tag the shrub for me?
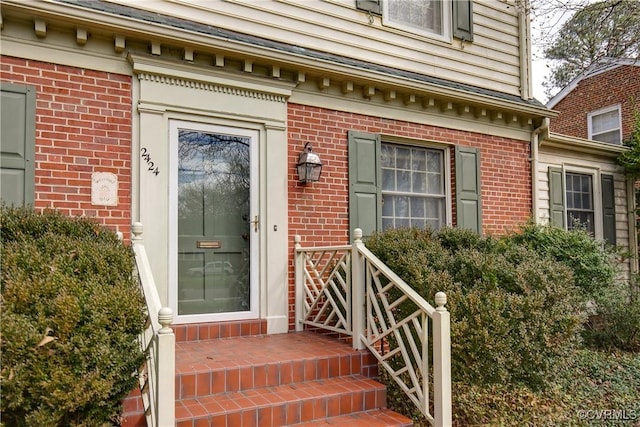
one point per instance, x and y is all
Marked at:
(616, 322)
(517, 306)
(71, 313)
(592, 262)
(514, 314)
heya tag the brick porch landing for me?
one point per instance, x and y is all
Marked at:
(299, 378)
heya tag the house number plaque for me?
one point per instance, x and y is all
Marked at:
(151, 166)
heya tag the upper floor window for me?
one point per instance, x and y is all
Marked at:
(438, 19)
(428, 17)
(605, 126)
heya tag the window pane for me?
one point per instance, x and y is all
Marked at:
(434, 161)
(436, 184)
(419, 182)
(404, 181)
(605, 127)
(580, 219)
(418, 160)
(605, 121)
(387, 206)
(435, 208)
(388, 179)
(403, 158)
(387, 156)
(403, 223)
(402, 207)
(417, 207)
(419, 223)
(434, 224)
(576, 200)
(612, 137)
(421, 14)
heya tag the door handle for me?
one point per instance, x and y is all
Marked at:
(255, 223)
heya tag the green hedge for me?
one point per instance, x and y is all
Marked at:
(593, 263)
(71, 313)
(519, 305)
(514, 314)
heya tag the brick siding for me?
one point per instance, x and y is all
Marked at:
(319, 212)
(620, 85)
(83, 125)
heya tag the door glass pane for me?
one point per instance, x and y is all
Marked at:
(213, 222)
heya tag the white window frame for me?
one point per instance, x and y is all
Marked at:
(592, 114)
(446, 171)
(597, 195)
(446, 22)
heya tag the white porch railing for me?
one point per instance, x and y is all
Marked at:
(157, 374)
(347, 289)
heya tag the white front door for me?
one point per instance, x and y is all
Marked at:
(213, 222)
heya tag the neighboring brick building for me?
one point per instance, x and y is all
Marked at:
(578, 177)
(600, 103)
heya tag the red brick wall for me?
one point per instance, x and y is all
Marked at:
(319, 212)
(618, 86)
(83, 125)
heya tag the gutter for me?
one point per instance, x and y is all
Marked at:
(543, 130)
(525, 52)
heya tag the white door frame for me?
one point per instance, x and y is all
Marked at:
(254, 241)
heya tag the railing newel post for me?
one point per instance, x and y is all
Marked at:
(299, 282)
(442, 363)
(165, 363)
(136, 232)
(158, 390)
(358, 291)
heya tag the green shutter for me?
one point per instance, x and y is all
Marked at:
(364, 178)
(556, 197)
(608, 209)
(17, 143)
(468, 203)
(372, 6)
(463, 19)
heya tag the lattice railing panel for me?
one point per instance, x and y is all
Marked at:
(326, 286)
(347, 289)
(398, 335)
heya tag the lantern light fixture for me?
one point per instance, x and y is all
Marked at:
(309, 165)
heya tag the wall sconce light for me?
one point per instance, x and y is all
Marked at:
(309, 165)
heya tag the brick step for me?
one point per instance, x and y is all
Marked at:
(229, 365)
(283, 405)
(373, 418)
(298, 378)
